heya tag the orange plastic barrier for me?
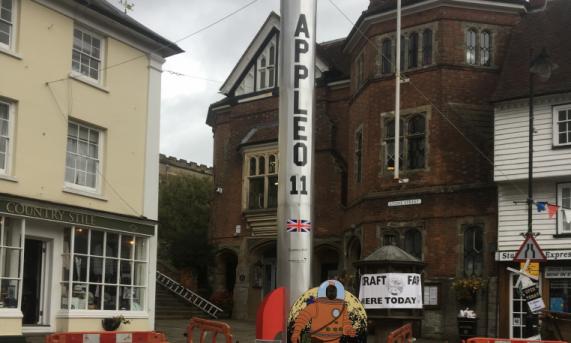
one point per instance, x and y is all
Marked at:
(205, 326)
(107, 337)
(401, 335)
(506, 340)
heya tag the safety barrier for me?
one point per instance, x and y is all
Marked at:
(401, 335)
(107, 337)
(506, 340)
(205, 326)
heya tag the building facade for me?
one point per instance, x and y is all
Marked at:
(79, 166)
(444, 212)
(539, 30)
(174, 166)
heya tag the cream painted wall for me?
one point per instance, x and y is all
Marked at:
(44, 43)
(89, 324)
(10, 326)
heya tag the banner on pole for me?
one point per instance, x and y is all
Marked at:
(391, 290)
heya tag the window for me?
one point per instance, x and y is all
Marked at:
(87, 54)
(11, 243)
(386, 56)
(485, 48)
(562, 125)
(359, 155)
(560, 295)
(412, 149)
(471, 46)
(103, 271)
(427, 47)
(563, 200)
(391, 238)
(430, 295)
(6, 23)
(262, 180)
(473, 250)
(413, 243)
(83, 156)
(5, 135)
(266, 68)
(359, 69)
(402, 53)
(413, 50)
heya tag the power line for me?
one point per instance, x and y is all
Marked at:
(404, 77)
(175, 73)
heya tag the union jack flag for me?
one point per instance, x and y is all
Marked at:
(298, 225)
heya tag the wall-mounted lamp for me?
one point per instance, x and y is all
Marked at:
(238, 230)
(219, 190)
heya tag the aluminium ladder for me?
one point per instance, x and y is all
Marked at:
(188, 295)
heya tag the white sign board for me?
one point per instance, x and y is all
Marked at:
(391, 290)
(558, 272)
(405, 202)
(552, 255)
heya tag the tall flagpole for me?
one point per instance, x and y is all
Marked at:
(397, 93)
(296, 107)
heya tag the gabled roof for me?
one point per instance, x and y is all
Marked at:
(104, 8)
(547, 29)
(329, 57)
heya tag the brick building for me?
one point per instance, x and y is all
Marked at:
(452, 53)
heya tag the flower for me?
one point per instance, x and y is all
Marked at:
(466, 289)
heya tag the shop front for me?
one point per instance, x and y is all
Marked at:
(65, 268)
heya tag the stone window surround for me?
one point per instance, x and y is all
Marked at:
(479, 28)
(406, 33)
(404, 113)
(400, 229)
(266, 151)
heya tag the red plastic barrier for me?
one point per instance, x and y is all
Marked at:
(107, 337)
(205, 326)
(401, 335)
(505, 340)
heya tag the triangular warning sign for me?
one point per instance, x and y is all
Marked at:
(530, 250)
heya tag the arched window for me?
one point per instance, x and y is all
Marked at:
(390, 144)
(413, 243)
(416, 142)
(473, 250)
(471, 46)
(252, 166)
(271, 67)
(485, 48)
(391, 238)
(413, 50)
(262, 165)
(272, 166)
(386, 56)
(427, 47)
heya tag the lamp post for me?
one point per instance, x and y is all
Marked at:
(542, 67)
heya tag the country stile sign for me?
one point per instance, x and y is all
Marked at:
(296, 108)
(391, 291)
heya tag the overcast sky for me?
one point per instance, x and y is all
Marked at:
(211, 55)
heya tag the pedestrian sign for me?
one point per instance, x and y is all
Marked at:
(530, 250)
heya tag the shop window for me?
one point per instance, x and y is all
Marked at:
(7, 9)
(560, 295)
(413, 243)
(11, 250)
(6, 135)
(83, 157)
(562, 125)
(412, 147)
(104, 271)
(262, 180)
(87, 54)
(359, 154)
(427, 47)
(473, 250)
(563, 200)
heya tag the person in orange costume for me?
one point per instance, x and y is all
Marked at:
(329, 319)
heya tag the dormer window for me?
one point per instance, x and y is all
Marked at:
(267, 68)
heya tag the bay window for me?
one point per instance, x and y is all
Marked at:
(262, 180)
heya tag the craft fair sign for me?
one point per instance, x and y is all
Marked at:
(391, 291)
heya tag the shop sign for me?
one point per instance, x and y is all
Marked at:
(391, 290)
(532, 296)
(405, 202)
(558, 272)
(62, 214)
(532, 269)
(552, 255)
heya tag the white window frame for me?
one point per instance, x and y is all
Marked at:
(556, 110)
(118, 259)
(11, 46)
(99, 167)
(268, 69)
(561, 224)
(7, 170)
(257, 153)
(19, 278)
(102, 52)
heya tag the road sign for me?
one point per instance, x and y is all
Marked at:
(532, 269)
(530, 250)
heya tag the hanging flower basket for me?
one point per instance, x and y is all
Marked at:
(467, 289)
(113, 323)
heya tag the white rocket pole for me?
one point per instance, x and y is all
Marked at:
(296, 108)
(397, 94)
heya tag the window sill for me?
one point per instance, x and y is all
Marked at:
(71, 190)
(87, 81)
(10, 53)
(561, 146)
(8, 178)
(11, 313)
(102, 314)
(562, 235)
